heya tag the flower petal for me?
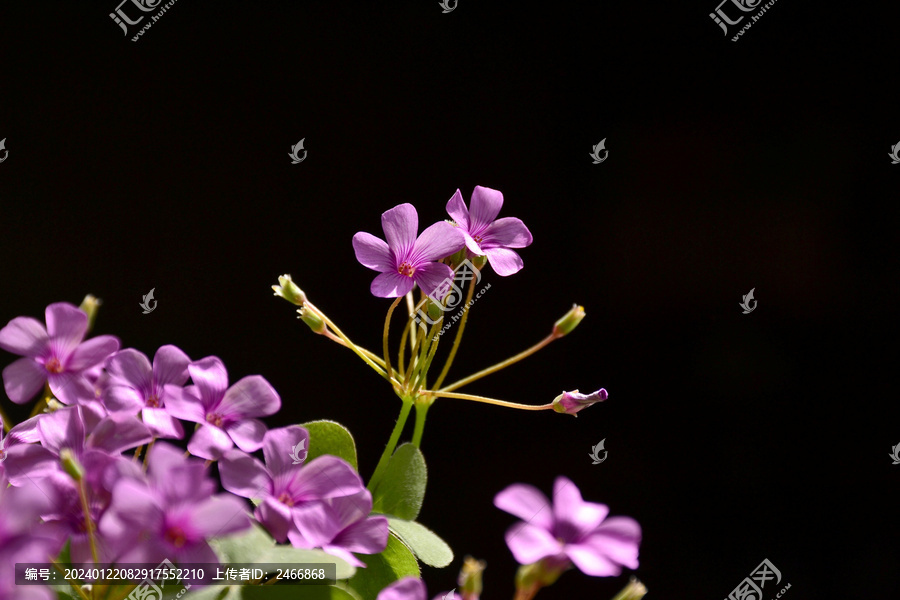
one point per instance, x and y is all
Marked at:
(278, 448)
(28, 461)
(210, 442)
(438, 241)
(244, 475)
(161, 424)
(408, 588)
(617, 538)
(131, 367)
(23, 379)
(24, 336)
(170, 366)
(220, 515)
(373, 252)
(66, 325)
(508, 232)
(92, 352)
(456, 208)
(590, 561)
(211, 379)
(63, 428)
(368, 536)
(248, 434)
(325, 477)
(504, 261)
(400, 225)
(275, 517)
(316, 523)
(185, 403)
(252, 396)
(529, 543)
(430, 276)
(574, 517)
(484, 207)
(527, 503)
(123, 398)
(391, 285)
(71, 388)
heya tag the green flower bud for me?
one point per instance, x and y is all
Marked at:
(90, 304)
(569, 321)
(434, 312)
(289, 291)
(470, 578)
(635, 590)
(312, 319)
(71, 465)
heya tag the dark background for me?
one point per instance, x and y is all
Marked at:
(757, 164)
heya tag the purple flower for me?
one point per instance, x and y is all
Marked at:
(20, 458)
(284, 484)
(487, 236)
(572, 530)
(411, 588)
(572, 402)
(340, 526)
(56, 354)
(406, 260)
(173, 514)
(136, 386)
(226, 414)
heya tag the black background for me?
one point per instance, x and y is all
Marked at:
(757, 164)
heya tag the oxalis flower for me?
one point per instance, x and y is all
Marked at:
(571, 531)
(574, 401)
(486, 236)
(412, 588)
(406, 260)
(54, 354)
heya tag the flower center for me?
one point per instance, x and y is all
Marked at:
(215, 419)
(153, 401)
(406, 269)
(176, 536)
(53, 365)
(286, 499)
(478, 239)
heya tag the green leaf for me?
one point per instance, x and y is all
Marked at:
(395, 562)
(292, 592)
(402, 489)
(244, 547)
(288, 557)
(328, 437)
(424, 543)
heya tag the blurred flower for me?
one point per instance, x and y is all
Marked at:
(55, 354)
(20, 458)
(572, 530)
(572, 402)
(283, 486)
(487, 236)
(226, 414)
(405, 260)
(410, 588)
(136, 386)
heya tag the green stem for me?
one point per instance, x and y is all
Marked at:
(331, 336)
(432, 349)
(500, 365)
(88, 521)
(421, 411)
(486, 400)
(410, 305)
(457, 339)
(412, 361)
(387, 329)
(391, 445)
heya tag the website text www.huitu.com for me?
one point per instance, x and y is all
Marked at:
(458, 316)
(753, 19)
(154, 19)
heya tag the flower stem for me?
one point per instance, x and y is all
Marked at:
(330, 335)
(527, 593)
(421, 411)
(88, 522)
(410, 305)
(442, 394)
(387, 328)
(391, 445)
(457, 339)
(412, 361)
(500, 365)
(6, 422)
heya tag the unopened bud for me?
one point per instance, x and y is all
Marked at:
(572, 402)
(569, 321)
(289, 291)
(71, 465)
(635, 590)
(312, 319)
(90, 304)
(470, 578)
(434, 311)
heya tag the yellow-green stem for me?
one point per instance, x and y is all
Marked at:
(412, 361)
(331, 336)
(88, 521)
(391, 445)
(387, 329)
(500, 365)
(421, 411)
(457, 339)
(486, 400)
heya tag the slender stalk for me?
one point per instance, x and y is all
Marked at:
(424, 347)
(391, 445)
(88, 521)
(421, 411)
(457, 339)
(330, 335)
(432, 349)
(527, 593)
(486, 400)
(410, 305)
(500, 365)
(387, 329)
(137, 454)
(412, 361)
(402, 353)
(74, 585)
